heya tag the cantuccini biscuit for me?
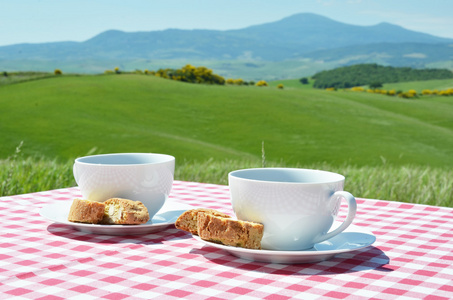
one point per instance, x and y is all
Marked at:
(84, 211)
(229, 232)
(125, 212)
(188, 220)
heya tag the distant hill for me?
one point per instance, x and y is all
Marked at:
(416, 55)
(298, 37)
(366, 74)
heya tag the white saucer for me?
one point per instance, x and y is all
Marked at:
(58, 213)
(353, 238)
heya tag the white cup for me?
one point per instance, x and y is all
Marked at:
(296, 206)
(145, 177)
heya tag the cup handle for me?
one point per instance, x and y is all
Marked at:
(352, 208)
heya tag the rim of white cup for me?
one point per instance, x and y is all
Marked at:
(335, 176)
(165, 159)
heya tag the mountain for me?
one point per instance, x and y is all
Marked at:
(315, 32)
(301, 36)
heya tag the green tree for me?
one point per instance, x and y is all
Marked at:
(304, 80)
(375, 85)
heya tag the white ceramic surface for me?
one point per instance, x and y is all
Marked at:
(296, 206)
(145, 177)
(351, 239)
(58, 212)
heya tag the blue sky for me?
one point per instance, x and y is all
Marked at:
(37, 21)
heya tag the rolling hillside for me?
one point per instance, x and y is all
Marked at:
(67, 116)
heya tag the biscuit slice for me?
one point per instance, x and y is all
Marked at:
(124, 212)
(229, 232)
(85, 211)
(188, 220)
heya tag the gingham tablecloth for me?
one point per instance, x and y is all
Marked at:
(412, 257)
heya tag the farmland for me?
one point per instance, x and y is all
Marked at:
(63, 117)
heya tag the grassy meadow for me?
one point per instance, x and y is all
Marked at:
(388, 148)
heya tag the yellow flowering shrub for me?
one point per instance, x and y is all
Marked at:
(407, 95)
(191, 74)
(447, 92)
(357, 89)
(261, 83)
(238, 81)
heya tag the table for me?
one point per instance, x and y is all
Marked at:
(412, 257)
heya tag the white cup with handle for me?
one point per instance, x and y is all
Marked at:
(296, 206)
(145, 177)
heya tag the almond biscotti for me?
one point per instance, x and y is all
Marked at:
(112, 211)
(125, 212)
(84, 211)
(188, 220)
(229, 232)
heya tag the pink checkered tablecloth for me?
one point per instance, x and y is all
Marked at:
(411, 259)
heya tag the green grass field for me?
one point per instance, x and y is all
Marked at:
(61, 118)
(65, 117)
